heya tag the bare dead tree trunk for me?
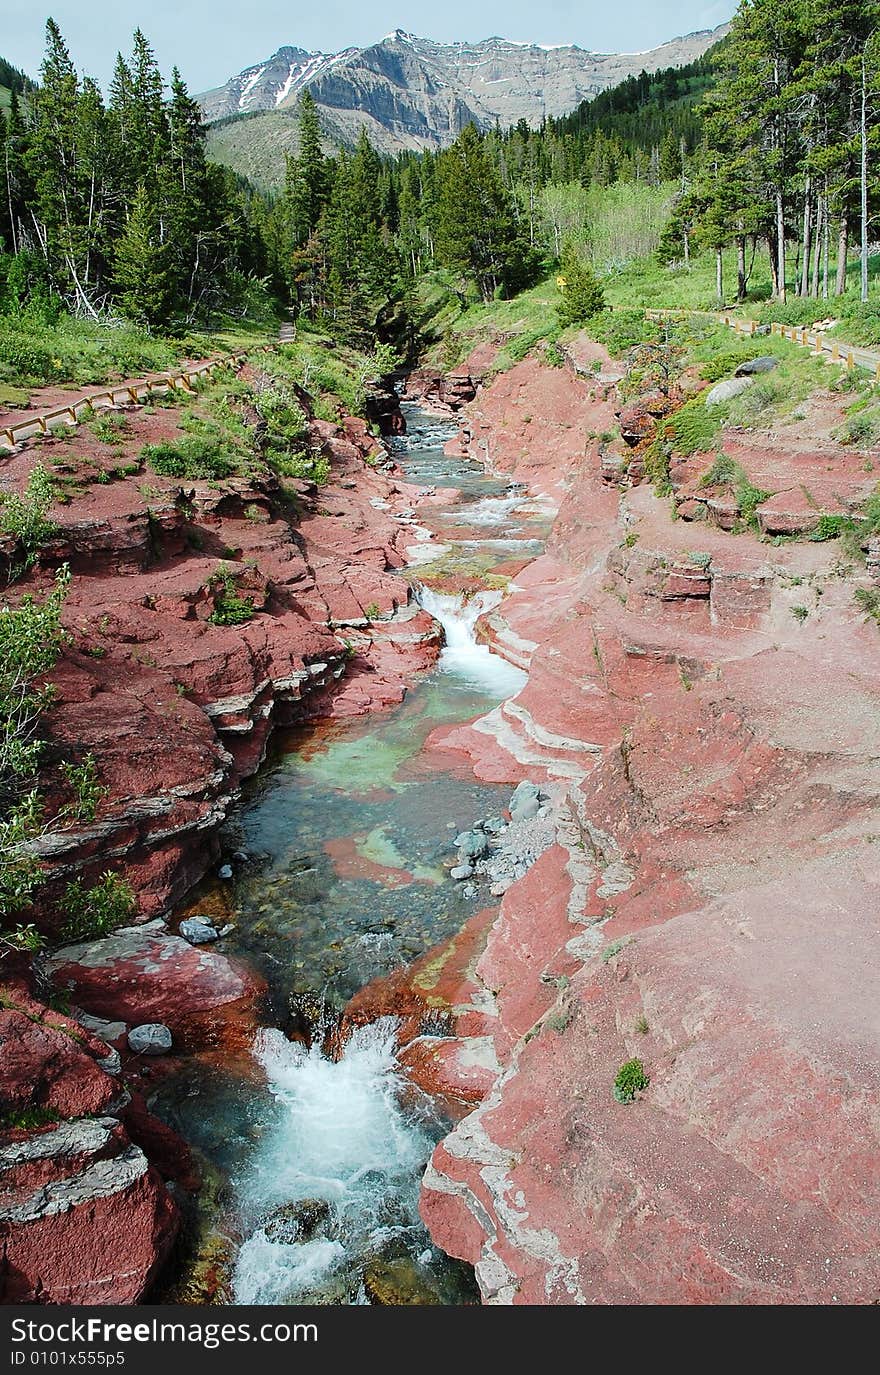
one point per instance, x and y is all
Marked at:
(817, 251)
(842, 254)
(864, 174)
(780, 246)
(741, 267)
(719, 275)
(807, 232)
(826, 239)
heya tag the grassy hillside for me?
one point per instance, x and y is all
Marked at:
(254, 145)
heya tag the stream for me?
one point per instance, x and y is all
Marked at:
(351, 835)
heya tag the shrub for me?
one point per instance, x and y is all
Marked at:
(831, 527)
(868, 601)
(230, 608)
(29, 1119)
(630, 1080)
(88, 793)
(286, 422)
(859, 430)
(693, 428)
(623, 330)
(96, 911)
(307, 467)
(23, 938)
(111, 428)
(800, 613)
(26, 517)
(614, 948)
(192, 456)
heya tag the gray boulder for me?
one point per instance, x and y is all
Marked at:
(461, 871)
(755, 365)
(150, 1038)
(472, 845)
(198, 931)
(726, 391)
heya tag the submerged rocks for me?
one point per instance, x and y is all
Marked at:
(300, 1221)
(502, 852)
(152, 1038)
(400, 1282)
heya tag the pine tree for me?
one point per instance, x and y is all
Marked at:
(141, 269)
(582, 294)
(476, 227)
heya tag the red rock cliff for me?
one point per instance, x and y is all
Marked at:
(710, 907)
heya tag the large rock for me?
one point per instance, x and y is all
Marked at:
(84, 1219)
(49, 1063)
(152, 1038)
(753, 366)
(143, 974)
(726, 391)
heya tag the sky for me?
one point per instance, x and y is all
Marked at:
(211, 40)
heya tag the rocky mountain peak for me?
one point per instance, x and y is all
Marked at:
(413, 92)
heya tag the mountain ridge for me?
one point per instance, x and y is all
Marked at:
(417, 93)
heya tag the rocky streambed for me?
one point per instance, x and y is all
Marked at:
(654, 845)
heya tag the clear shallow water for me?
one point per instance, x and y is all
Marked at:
(354, 832)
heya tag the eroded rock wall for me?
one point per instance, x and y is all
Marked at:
(709, 702)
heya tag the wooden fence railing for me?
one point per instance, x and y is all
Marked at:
(126, 394)
(839, 352)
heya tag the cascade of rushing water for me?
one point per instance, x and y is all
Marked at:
(340, 1136)
(325, 1170)
(462, 656)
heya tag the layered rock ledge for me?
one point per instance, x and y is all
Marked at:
(707, 701)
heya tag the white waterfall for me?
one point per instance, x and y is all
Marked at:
(341, 1136)
(462, 657)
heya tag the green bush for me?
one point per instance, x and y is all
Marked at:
(623, 330)
(868, 601)
(286, 422)
(88, 793)
(111, 428)
(630, 1080)
(29, 1119)
(230, 608)
(831, 527)
(308, 467)
(859, 430)
(26, 517)
(693, 428)
(96, 911)
(192, 456)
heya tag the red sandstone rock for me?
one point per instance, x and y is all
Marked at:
(84, 1219)
(49, 1063)
(743, 1173)
(143, 974)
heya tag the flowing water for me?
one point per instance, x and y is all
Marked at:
(353, 836)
